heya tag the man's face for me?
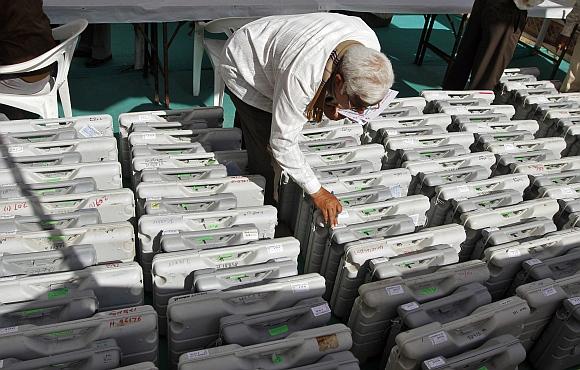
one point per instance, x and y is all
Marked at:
(342, 100)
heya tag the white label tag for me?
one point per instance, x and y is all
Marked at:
(415, 219)
(197, 354)
(492, 229)
(513, 253)
(250, 235)
(509, 147)
(303, 287)
(90, 131)
(15, 149)
(463, 189)
(409, 306)
(8, 330)
(395, 290)
(396, 191)
(438, 338)
(434, 362)
(320, 310)
(549, 291)
(568, 191)
(169, 232)
(574, 300)
(342, 216)
(275, 249)
(410, 141)
(532, 262)
(149, 136)
(144, 117)
(392, 132)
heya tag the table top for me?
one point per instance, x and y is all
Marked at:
(142, 11)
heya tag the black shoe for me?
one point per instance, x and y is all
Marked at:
(92, 63)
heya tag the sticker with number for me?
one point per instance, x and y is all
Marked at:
(410, 306)
(438, 338)
(320, 310)
(197, 354)
(395, 290)
(434, 362)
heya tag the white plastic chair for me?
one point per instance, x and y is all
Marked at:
(214, 48)
(44, 103)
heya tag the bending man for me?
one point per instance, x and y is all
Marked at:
(282, 71)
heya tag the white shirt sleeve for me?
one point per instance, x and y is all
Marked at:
(289, 101)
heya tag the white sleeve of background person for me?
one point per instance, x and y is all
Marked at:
(527, 4)
(278, 62)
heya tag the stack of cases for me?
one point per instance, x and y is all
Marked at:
(206, 243)
(489, 278)
(72, 295)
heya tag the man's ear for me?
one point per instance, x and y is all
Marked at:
(338, 83)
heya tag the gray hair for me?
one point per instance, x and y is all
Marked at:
(367, 74)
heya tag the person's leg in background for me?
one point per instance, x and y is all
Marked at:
(502, 28)
(100, 45)
(572, 81)
(460, 69)
(256, 126)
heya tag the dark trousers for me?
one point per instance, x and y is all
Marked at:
(256, 126)
(487, 46)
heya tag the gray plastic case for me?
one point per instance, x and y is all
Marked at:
(441, 202)
(461, 303)
(237, 277)
(506, 110)
(386, 132)
(551, 268)
(7, 161)
(452, 95)
(106, 175)
(352, 130)
(133, 329)
(248, 194)
(97, 149)
(555, 348)
(84, 217)
(160, 149)
(247, 330)
(334, 361)
(217, 202)
(413, 206)
(389, 226)
(327, 144)
(416, 345)
(209, 239)
(507, 162)
(378, 301)
(112, 205)
(548, 167)
(213, 139)
(179, 174)
(400, 111)
(115, 285)
(298, 349)
(484, 159)
(544, 297)
(371, 129)
(553, 144)
(393, 144)
(86, 126)
(493, 200)
(172, 272)
(483, 139)
(528, 229)
(354, 265)
(99, 355)
(139, 366)
(426, 182)
(372, 153)
(110, 242)
(152, 227)
(559, 178)
(76, 186)
(505, 260)
(202, 311)
(56, 306)
(414, 263)
(40, 136)
(504, 352)
(475, 221)
(528, 125)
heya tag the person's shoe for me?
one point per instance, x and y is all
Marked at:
(92, 63)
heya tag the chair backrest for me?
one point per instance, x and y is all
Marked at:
(62, 54)
(227, 25)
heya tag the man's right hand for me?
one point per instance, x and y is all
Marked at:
(328, 204)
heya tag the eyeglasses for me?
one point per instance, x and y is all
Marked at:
(357, 105)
